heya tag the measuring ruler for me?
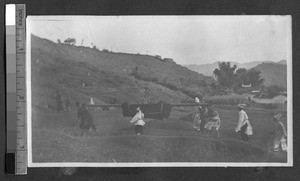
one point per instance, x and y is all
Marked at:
(16, 152)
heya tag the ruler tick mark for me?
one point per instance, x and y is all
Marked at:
(20, 53)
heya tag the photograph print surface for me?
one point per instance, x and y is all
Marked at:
(130, 91)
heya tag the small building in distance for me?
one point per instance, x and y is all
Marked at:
(168, 60)
(158, 57)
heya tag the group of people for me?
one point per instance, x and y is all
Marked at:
(245, 129)
(206, 118)
(84, 118)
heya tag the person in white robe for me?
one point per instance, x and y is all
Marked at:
(243, 127)
(138, 121)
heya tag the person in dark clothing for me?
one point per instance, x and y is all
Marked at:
(212, 120)
(81, 118)
(203, 112)
(86, 120)
(90, 123)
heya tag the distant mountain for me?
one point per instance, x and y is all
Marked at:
(273, 73)
(109, 77)
(283, 62)
(207, 69)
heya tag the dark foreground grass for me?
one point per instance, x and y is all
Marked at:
(55, 138)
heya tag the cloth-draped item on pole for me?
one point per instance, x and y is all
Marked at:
(158, 110)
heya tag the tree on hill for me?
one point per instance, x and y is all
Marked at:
(254, 78)
(225, 74)
(248, 77)
(233, 79)
(70, 41)
(241, 78)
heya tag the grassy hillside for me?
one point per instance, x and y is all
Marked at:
(82, 72)
(273, 73)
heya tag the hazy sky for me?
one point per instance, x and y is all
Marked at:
(186, 39)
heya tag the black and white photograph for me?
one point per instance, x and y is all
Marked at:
(159, 91)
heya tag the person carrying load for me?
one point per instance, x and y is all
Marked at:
(86, 120)
(213, 120)
(243, 127)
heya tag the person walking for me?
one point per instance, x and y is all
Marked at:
(203, 118)
(138, 121)
(243, 127)
(86, 120)
(197, 118)
(280, 133)
(197, 115)
(213, 120)
(91, 124)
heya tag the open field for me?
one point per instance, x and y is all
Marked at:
(55, 138)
